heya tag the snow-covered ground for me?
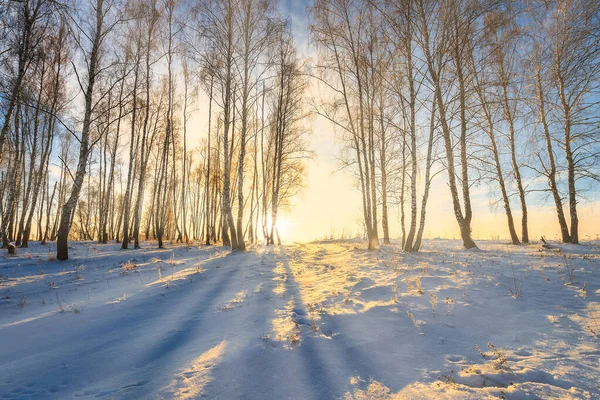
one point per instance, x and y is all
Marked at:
(325, 320)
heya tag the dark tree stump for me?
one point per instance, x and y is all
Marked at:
(12, 249)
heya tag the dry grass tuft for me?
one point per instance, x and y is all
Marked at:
(414, 321)
(128, 267)
(449, 305)
(414, 285)
(433, 299)
(496, 356)
(395, 293)
(173, 261)
(23, 302)
(294, 338)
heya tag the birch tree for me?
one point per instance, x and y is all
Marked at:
(90, 36)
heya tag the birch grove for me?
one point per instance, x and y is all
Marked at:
(100, 103)
(492, 79)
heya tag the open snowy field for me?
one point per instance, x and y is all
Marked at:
(326, 320)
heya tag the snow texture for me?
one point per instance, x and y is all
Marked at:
(324, 320)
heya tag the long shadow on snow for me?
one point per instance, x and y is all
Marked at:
(117, 331)
(322, 357)
(321, 368)
(104, 326)
(272, 371)
(375, 357)
(331, 363)
(252, 371)
(171, 354)
(317, 368)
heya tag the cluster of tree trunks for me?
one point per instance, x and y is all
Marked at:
(486, 93)
(391, 66)
(124, 170)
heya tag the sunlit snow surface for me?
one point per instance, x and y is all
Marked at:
(325, 320)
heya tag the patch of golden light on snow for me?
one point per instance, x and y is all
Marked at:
(328, 275)
(591, 322)
(170, 263)
(13, 282)
(239, 297)
(553, 353)
(284, 328)
(279, 268)
(418, 391)
(237, 301)
(178, 275)
(279, 289)
(25, 320)
(525, 371)
(118, 299)
(440, 390)
(319, 282)
(190, 383)
(374, 391)
(281, 277)
(367, 305)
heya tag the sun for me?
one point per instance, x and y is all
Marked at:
(285, 229)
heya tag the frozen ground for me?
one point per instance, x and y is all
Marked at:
(324, 320)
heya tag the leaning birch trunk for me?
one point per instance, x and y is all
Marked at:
(68, 209)
(463, 223)
(132, 152)
(111, 175)
(383, 171)
(496, 155)
(513, 153)
(13, 185)
(462, 95)
(551, 172)
(408, 245)
(241, 245)
(208, 166)
(429, 163)
(145, 148)
(50, 201)
(228, 223)
(566, 108)
(402, 190)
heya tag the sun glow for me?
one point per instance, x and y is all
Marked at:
(285, 229)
